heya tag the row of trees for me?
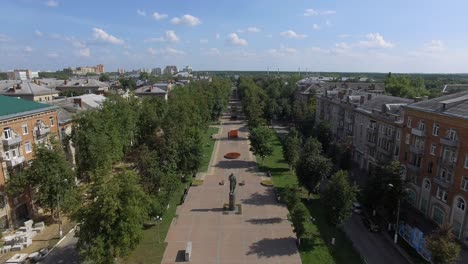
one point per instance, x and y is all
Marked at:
(131, 156)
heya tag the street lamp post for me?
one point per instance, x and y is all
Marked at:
(59, 218)
(158, 220)
(395, 238)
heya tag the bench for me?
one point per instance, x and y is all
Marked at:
(188, 251)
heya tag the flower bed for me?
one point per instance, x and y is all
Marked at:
(232, 155)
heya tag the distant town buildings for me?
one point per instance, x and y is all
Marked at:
(23, 124)
(157, 71)
(170, 70)
(98, 69)
(121, 71)
(187, 69)
(85, 85)
(158, 89)
(22, 75)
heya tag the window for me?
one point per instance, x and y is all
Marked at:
(449, 176)
(427, 184)
(52, 121)
(7, 133)
(435, 130)
(433, 149)
(407, 140)
(464, 184)
(438, 216)
(443, 174)
(27, 147)
(441, 194)
(421, 125)
(461, 204)
(430, 166)
(466, 161)
(14, 153)
(25, 129)
(452, 134)
(398, 134)
(410, 120)
(7, 155)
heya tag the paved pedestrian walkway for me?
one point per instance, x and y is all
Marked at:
(261, 234)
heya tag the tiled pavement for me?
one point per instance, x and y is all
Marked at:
(261, 234)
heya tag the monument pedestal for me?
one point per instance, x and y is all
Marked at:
(232, 202)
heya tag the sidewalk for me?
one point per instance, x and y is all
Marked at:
(46, 239)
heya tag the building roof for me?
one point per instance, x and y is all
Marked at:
(68, 106)
(84, 82)
(377, 102)
(151, 89)
(24, 88)
(455, 105)
(13, 107)
(454, 88)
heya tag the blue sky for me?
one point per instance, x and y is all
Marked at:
(321, 35)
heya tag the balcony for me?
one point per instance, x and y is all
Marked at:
(443, 183)
(12, 141)
(15, 161)
(413, 168)
(447, 163)
(40, 132)
(449, 142)
(417, 150)
(418, 132)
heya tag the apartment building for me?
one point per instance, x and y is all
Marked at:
(28, 90)
(22, 124)
(377, 130)
(434, 158)
(83, 86)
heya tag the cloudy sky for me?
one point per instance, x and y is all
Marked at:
(320, 35)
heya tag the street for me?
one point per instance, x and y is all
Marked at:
(372, 246)
(65, 252)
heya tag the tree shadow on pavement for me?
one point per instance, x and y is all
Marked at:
(208, 210)
(237, 164)
(272, 247)
(260, 199)
(265, 221)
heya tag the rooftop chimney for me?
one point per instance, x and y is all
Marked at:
(369, 96)
(78, 102)
(363, 98)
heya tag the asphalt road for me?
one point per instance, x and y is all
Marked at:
(65, 252)
(372, 246)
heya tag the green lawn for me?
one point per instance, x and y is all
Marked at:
(151, 249)
(152, 246)
(315, 247)
(208, 144)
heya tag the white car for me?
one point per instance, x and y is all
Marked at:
(357, 208)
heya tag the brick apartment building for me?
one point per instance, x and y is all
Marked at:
(434, 158)
(22, 124)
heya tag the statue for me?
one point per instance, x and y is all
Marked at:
(232, 183)
(232, 195)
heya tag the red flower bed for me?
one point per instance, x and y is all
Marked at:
(232, 155)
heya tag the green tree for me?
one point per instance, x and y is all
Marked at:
(104, 77)
(260, 140)
(50, 172)
(299, 215)
(292, 148)
(324, 135)
(338, 198)
(443, 247)
(404, 86)
(312, 167)
(111, 220)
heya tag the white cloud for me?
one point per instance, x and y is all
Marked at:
(186, 20)
(103, 36)
(292, 34)
(171, 36)
(328, 22)
(203, 41)
(328, 12)
(316, 27)
(52, 55)
(313, 12)
(269, 36)
(158, 16)
(253, 29)
(86, 52)
(240, 31)
(4, 38)
(165, 51)
(344, 36)
(375, 40)
(233, 39)
(434, 46)
(341, 48)
(218, 36)
(38, 33)
(52, 3)
(282, 51)
(28, 49)
(211, 52)
(310, 12)
(141, 12)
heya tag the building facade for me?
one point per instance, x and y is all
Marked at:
(23, 124)
(434, 158)
(171, 70)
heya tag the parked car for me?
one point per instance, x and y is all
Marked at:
(371, 223)
(357, 208)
